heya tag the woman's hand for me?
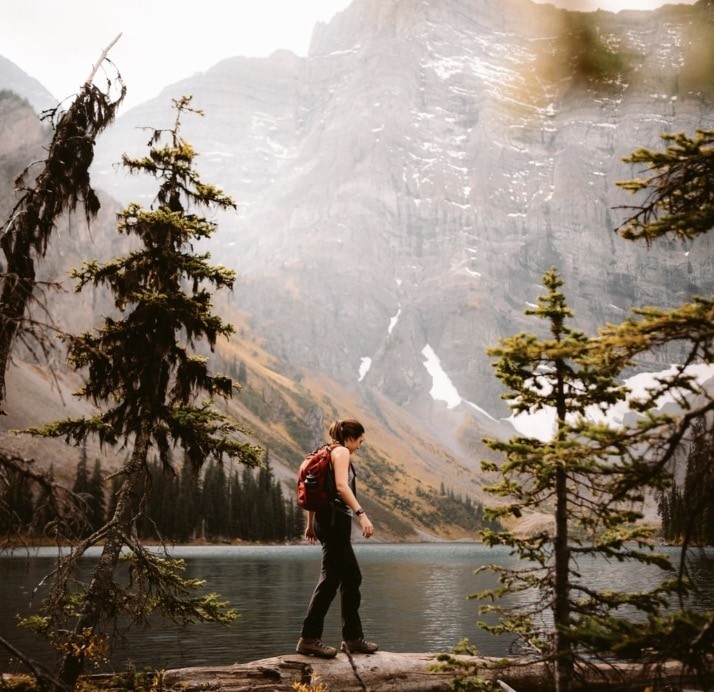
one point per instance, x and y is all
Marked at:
(366, 524)
(310, 529)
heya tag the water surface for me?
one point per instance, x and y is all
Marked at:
(414, 600)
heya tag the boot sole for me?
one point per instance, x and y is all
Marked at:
(314, 653)
(359, 651)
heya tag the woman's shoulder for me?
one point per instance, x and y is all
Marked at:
(339, 451)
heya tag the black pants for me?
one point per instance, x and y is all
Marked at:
(339, 570)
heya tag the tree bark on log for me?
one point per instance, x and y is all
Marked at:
(401, 672)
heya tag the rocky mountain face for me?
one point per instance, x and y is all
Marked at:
(401, 191)
(407, 184)
(401, 470)
(12, 78)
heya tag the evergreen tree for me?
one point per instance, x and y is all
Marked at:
(280, 524)
(264, 500)
(234, 502)
(580, 472)
(80, 488)
(242, 374)
(249, 511)
(295, 521)
(187, 503)
(168, 509)
(155, 390)
(45, 512)
(679, 203)
(18, 505)
(678, 188)
(81, 478)
(688, 514)
(215, 502)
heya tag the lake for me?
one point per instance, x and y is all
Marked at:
(414, 600)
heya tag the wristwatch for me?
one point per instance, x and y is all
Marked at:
(359, 512)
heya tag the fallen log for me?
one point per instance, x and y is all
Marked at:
(401, 672)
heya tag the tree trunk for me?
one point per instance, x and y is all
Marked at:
(396, 672)
(561, 610)
(561, 548)
(99, 592)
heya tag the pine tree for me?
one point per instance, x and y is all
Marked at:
(156, 392)
(249, 514)
(678, 188)
(44, 510)
(580, 473)
(235, 494)
(17, 505)
(97, 499)
(81, 478)
(187, 503)
(80, 488)
(168, 511)
(688, 514)
(215, 502)
(264, 500)
(242, 374)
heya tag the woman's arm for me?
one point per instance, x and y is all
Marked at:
(310, 528)
(341, 467)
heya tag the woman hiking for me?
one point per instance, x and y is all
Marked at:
(339, 568)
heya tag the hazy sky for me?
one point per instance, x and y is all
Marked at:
(163, 41)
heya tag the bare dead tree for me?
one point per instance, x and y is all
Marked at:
(62, 186)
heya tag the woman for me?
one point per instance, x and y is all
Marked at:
(333, 527)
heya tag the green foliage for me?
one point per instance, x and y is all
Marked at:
(137, 363)
(90, 491)
(680, 194)
(465, 670)
(218, 506)
(145, 680)
(97, 500)
(17, 502)
(688, 512)
(582, 473)
(156, 586)
(155, 395)
(461, 511)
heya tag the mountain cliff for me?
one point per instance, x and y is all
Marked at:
(405, 186)
(404, 471)
(402, 189)
(12, 78)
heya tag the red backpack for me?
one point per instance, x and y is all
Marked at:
(316, 480)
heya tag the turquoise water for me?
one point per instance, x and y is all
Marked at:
(414, 599)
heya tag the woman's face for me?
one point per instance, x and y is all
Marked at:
(353, 443)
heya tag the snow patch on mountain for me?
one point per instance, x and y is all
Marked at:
(541, 424)
(442, 388)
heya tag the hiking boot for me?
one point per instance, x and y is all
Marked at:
(359, 646)
(315, 647)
